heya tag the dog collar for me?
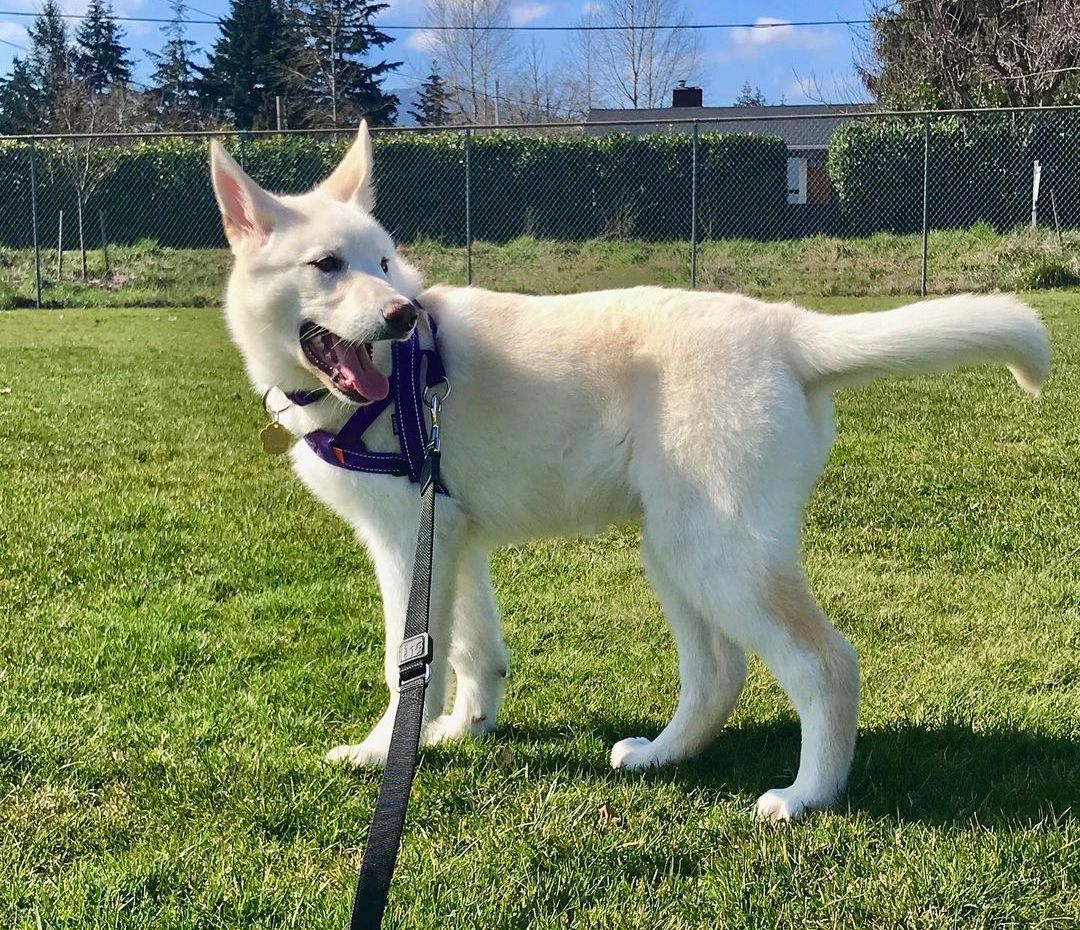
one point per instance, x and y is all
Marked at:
(303, 398)
(414, 372)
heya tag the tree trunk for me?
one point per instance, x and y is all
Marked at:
(82, 240)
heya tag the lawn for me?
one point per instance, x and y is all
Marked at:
(184, 633)
(976, 259)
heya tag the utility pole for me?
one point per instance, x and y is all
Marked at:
(496, 101)
(333, 67)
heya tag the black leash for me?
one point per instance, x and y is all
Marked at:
(388, 821)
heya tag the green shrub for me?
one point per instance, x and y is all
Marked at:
(570, 188)
(9, 300)
(1046, 272)
(980, 171)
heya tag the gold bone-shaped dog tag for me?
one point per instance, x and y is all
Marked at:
(275, 438)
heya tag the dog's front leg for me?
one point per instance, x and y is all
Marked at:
(478, 654)
(393, 555)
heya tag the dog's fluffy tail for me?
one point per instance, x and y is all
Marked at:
(934, 335)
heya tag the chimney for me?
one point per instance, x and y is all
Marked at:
(684, 96)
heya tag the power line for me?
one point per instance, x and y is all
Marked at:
(421, 28)
(626, 27)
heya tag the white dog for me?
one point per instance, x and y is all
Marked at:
(708, 416)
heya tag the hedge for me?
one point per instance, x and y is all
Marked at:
(980, 170)
(552, 187)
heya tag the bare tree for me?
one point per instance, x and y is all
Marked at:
(834, 90)
(538, 91)
(464, 36)
(644, 50)
(939, 53)
(538, 83)
(87, 162)
(579, 75)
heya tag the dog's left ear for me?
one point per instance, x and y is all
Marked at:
(351, 179)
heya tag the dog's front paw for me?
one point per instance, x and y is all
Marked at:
(371, 753)
(779, 805)
(633, 753)
(450, 727)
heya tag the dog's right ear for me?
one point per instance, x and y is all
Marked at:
(247, 211)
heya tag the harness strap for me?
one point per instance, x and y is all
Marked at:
(413, 371)
(388, 821)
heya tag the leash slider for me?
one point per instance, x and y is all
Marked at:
(414, 660)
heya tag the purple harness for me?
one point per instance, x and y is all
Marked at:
(408, 384)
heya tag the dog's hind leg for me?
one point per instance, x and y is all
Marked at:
(818, 669)
(766, 607)
(478, 653)
(712, 671)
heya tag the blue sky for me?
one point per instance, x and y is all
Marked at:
(793, 64)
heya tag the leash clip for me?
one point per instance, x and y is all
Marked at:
(434, 402)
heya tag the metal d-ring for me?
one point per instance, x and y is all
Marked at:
(429, 391)
(274, 413)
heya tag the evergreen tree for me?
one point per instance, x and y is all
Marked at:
(338, 86)
(246, 67)
(48, 66)
(174, 74)
(750, 97)
(20, 100)
(431, 104)
(100, 58)
(50, 55)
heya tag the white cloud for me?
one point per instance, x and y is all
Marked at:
(525, 13)
(120, 7)
(13, 32)
(770, 32)
(422, 40)
(767, 30)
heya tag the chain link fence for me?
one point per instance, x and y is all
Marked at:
(846, 202)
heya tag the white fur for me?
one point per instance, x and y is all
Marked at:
(708, 416)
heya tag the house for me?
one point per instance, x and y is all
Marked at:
(806, 129)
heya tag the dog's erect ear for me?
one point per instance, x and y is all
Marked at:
(351, 179)
(247, 211)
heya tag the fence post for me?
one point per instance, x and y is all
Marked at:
(240, 146)
(104, 240)
(60, 247)
(925, 199)
(468, 206)
(693, 209)
(34, 220)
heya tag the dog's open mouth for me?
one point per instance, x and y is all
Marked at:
(346, 364)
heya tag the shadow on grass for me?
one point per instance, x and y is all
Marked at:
(906, 773)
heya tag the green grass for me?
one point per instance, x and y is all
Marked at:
(185, 632)
(146, 275)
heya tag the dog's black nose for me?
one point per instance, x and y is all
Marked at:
(401, 315)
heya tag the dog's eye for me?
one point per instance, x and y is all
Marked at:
(328, 264)
(384, 264)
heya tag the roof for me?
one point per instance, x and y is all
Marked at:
(800, 126)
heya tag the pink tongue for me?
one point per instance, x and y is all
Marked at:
(357, 373)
